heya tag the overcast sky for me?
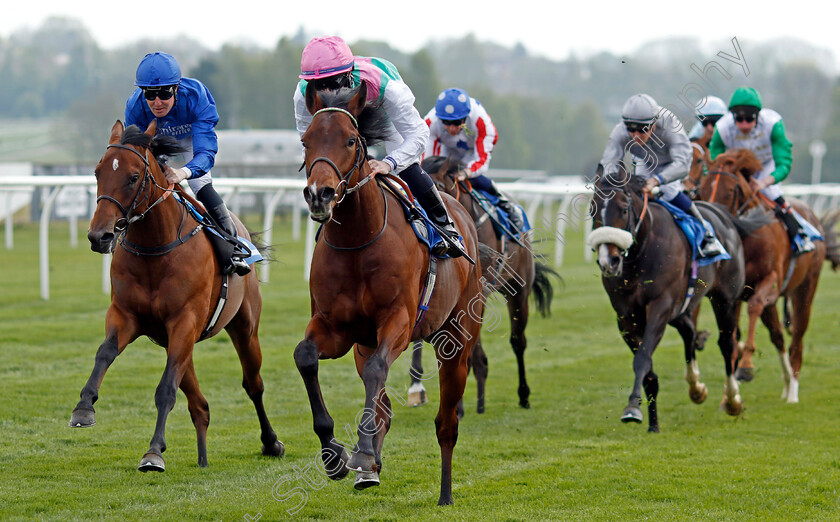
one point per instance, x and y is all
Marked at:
(544, 28)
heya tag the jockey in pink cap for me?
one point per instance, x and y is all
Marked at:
(328, 64)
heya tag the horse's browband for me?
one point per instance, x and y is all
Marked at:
(338, 109)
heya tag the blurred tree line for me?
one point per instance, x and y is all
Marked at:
(551, 115)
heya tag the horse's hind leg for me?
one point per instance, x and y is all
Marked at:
(518, 311)
(120, 333)
(697, 391)
(243, 333)
(199, 411)
(726, 315)
(478, 361)
(801, 299)
(416, 392)
(770, 318)
(306, 355)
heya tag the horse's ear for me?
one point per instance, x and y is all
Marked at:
(152, 128)
(116, 132)
(357, 103)
(313, 101)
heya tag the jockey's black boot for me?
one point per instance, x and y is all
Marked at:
(710, 246)
(225, 250)
(512, 212)
(804, 244)
(432, 203)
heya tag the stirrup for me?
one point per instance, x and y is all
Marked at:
(710, 247)
(239, 266)
(803, 246)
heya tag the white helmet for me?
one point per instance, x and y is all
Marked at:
(713, 106)
(640, 108)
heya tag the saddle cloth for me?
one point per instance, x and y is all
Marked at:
(694, 232)
(503, 227)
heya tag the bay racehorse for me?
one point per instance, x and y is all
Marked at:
(368, 274)
(771, 270)
(516, 274)
(166, 284)
(646, 266)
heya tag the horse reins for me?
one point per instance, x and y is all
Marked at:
(717, 173)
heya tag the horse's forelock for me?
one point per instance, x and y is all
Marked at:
(374, 124)
(134, 136)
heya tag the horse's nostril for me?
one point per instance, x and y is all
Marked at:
(326, 194)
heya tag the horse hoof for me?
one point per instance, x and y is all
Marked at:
(366, 479)
(416, 396)
(151, 462)
(338, 470)
(525, 404)
(274, 450)
(699, 394)
(732, 408)
(82, 418)
(744, 374)
(653, 429)
(632, 414)
(362, 462)
(479, 408)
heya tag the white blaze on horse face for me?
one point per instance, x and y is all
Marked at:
(604, 255)
(116, 164)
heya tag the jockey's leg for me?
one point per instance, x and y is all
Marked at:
(219, 213)
(482, 182)
(424, 190)
(794, 229)
(709, 246)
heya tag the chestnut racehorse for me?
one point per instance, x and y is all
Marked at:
(166, 284)
(515, 274)
(646, 267)
(368, 272)
(771, 271)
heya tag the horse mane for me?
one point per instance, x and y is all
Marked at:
(434, 164)
(161, 145)
(374, 124)
(743, 162)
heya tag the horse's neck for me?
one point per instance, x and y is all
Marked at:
(161, 224)
(359, 214)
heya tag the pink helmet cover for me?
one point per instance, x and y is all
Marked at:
(324, 57)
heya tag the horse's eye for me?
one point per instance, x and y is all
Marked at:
(134, 179)
(351, 142)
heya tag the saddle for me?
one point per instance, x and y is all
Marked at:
(694, 232)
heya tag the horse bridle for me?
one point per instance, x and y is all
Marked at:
(632, 218)
(735, 212)
(361, 155)
(125, 221)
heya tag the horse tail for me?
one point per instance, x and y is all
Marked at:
(265, 249)
(832, 245)
(541, 289)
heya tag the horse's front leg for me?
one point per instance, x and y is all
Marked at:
(655, 322)
(366, 459)
(178, 362)
(319, 340)
(120, 332)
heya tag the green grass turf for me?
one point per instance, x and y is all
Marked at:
(567, 458)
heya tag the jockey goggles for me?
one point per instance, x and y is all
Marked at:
(709, 120)
(636, 127)
(458, 122)
(164, 93)
(747, 117)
